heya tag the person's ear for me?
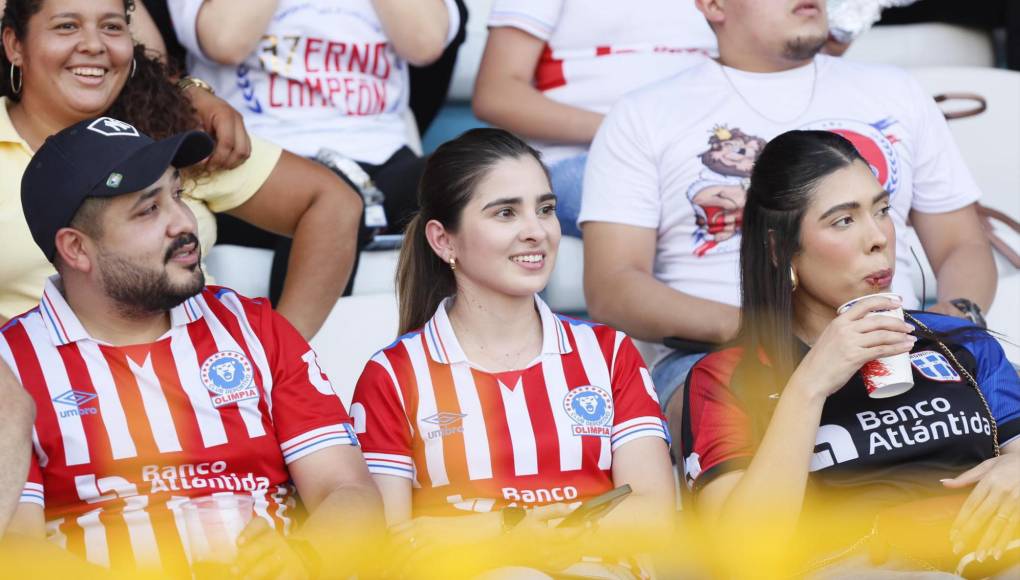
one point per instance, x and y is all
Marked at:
(441, 240)
(713, 10)
(12, 47)
(74, 249)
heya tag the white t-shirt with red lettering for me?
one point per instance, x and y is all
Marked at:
(598, 50)
(676, 158)
(125, 436)
(324, 74)
(472, 440)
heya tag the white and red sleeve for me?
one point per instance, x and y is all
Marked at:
(716, 432)
(307, 412)
(636, 408)
(383, 427)
(536, 17)
(184, 17)
(32, 492)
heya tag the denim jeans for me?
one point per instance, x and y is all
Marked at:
(567, 177)
(669, 374)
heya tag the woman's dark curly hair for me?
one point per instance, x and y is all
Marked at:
(149, 100)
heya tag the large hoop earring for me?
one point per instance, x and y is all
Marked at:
(793, 279)
(134, 67)
(21, 81)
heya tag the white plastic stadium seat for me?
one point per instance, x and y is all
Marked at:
(926, 44)
(990, 145)
(565, 291)
(357, 328)
(245, 270)
(470, 54)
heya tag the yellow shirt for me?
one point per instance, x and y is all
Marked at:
(24, 269)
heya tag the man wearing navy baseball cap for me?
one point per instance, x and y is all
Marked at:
(155, 392)
(103, 203)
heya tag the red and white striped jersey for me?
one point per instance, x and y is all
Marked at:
(475, 440)
(123, 436)
(596, 51)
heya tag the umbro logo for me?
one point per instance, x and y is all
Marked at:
(444, 418)
(76, 399)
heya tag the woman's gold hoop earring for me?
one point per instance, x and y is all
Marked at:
(453, 263)
(134, 67)
(793, 279)
(21, 81)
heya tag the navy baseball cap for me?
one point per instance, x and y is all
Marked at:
(100, 157)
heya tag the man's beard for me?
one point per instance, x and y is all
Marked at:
(804, 47)
(141, 291)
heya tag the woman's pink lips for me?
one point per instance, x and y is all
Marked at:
(880, 279)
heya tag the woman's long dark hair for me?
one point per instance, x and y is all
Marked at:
(149, 100)
(782, 183)
(451, 175)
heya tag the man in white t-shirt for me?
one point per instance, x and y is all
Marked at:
(665, 183)
(553, 68)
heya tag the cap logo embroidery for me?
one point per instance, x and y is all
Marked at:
(109, 127)
(114, 180)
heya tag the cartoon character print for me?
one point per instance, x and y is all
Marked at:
(719, 193)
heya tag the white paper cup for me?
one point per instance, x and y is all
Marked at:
(213, 524)
(888, 376)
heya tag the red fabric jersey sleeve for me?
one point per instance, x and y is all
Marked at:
(717, 437)
(383, 427)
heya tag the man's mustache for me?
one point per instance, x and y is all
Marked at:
(179, 243)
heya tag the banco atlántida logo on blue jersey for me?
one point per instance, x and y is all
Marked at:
(591, 409)
(228, 377)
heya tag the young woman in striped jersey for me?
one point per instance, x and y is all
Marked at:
(490, 410)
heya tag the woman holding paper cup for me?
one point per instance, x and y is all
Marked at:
(804, 420)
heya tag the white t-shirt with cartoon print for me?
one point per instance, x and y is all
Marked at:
(324, 74)
(676, 157)
(598, 50)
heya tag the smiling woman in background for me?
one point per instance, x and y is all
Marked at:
(69, 60)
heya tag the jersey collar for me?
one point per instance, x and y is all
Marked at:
(444, 348)
(65, 328)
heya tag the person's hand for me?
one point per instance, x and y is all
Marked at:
(990, 517)
(544, 546)
(417, 542)
(851, 340)
(225, 125)
(262, 552)
(834, 47)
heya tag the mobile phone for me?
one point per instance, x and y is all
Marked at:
(593, 509)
